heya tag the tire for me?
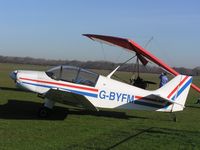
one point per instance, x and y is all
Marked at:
(44, 112)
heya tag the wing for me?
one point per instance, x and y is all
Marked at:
(117, 41)
(70, 98)
(133, 46)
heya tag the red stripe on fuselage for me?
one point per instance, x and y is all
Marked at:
(138, 97)
(175, 89)
(62, 84)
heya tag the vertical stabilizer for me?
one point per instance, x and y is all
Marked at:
(176, 90)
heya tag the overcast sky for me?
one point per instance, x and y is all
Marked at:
(52, 29)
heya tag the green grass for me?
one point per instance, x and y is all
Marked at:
(20, 129)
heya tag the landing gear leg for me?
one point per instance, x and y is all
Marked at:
(198, 101)
(173, 116)
(46, 109)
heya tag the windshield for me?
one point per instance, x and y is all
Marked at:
(74, 75)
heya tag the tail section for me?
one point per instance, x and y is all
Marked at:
(176, 92)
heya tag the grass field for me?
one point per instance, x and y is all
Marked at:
(20, 129)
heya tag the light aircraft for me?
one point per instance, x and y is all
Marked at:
(83, 88)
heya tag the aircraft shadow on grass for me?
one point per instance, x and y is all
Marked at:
(20, 109)
(13, 89)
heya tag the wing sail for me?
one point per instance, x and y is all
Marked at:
(140, 51)
(117, 41)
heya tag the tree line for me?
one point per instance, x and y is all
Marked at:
(104, 65)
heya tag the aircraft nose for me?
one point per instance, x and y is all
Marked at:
(13, 75)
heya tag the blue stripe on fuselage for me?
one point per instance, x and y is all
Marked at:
(69, 90)
(81, 93)
(182, 89)
(40, 85)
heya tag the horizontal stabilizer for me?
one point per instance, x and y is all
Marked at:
(166, 100)
(176, 91)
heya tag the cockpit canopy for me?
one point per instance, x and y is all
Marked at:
(73, 74)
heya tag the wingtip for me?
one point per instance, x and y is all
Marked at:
(86, 35)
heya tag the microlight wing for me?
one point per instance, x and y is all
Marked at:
(140, 51)
(117, 41)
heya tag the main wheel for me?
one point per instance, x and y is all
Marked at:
(44, 112)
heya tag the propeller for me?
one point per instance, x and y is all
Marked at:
(139, 82)
(150, 82)
(13, 75)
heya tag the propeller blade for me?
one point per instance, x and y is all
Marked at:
(150, 82)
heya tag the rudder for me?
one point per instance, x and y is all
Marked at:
(176, 90)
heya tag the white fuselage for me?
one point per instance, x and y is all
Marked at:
(107, 93)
